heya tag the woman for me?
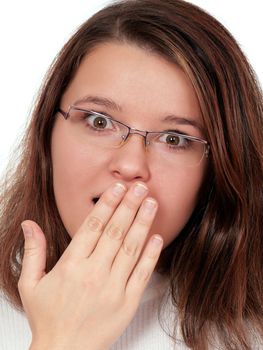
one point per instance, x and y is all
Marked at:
(149, 102)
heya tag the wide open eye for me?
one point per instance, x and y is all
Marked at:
(98, 122)
(175, 141)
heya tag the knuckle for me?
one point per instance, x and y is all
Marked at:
(109, 201)
(114, 231)
(30, 251)
(94, 224)
(130, 204)
(130, 248)
(67, 268)
(142, 221)
(142, 274)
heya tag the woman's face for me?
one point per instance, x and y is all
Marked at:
(147, 89)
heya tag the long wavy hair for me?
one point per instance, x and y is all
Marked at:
(216, 263)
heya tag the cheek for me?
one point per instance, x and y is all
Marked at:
(177, 200)
(72, 169)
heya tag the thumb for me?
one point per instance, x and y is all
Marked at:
(34, 259)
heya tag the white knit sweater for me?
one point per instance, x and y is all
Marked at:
(143, 333)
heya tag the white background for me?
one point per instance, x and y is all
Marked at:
(32, 32)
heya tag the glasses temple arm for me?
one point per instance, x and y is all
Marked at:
(65, 115)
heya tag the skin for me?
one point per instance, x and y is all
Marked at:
(91, 295)
(147, 88)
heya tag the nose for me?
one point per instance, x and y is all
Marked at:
(130, 161)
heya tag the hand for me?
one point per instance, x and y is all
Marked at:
(90, 296)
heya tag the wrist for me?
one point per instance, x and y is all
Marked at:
(42, 345)
(47, 345)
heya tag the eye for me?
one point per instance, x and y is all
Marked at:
(94, 121)
(174, 140)
(98, 121)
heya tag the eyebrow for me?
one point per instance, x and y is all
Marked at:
(106, 102)
(101, 101)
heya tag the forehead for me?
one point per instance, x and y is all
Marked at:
(136, 84)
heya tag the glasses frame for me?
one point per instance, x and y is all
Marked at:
(143, 133)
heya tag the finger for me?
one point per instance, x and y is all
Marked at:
(85, 240)
(144, 268)
(118, 226)
(132, 246)
(34, 259)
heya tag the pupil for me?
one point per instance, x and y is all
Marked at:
(100, 123)
(174, 140)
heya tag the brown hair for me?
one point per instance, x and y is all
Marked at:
(215, 264)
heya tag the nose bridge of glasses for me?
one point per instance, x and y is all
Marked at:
(138, 132)
(133, 131)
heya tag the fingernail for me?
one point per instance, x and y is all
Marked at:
(149, 206)
(118, 189)
(155, 245)
(140, 190)
(157, 241)
(28, 232)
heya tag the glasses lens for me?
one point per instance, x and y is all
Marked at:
(91, 127)
(176, 149)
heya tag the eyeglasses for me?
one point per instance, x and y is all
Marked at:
(172, 148)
